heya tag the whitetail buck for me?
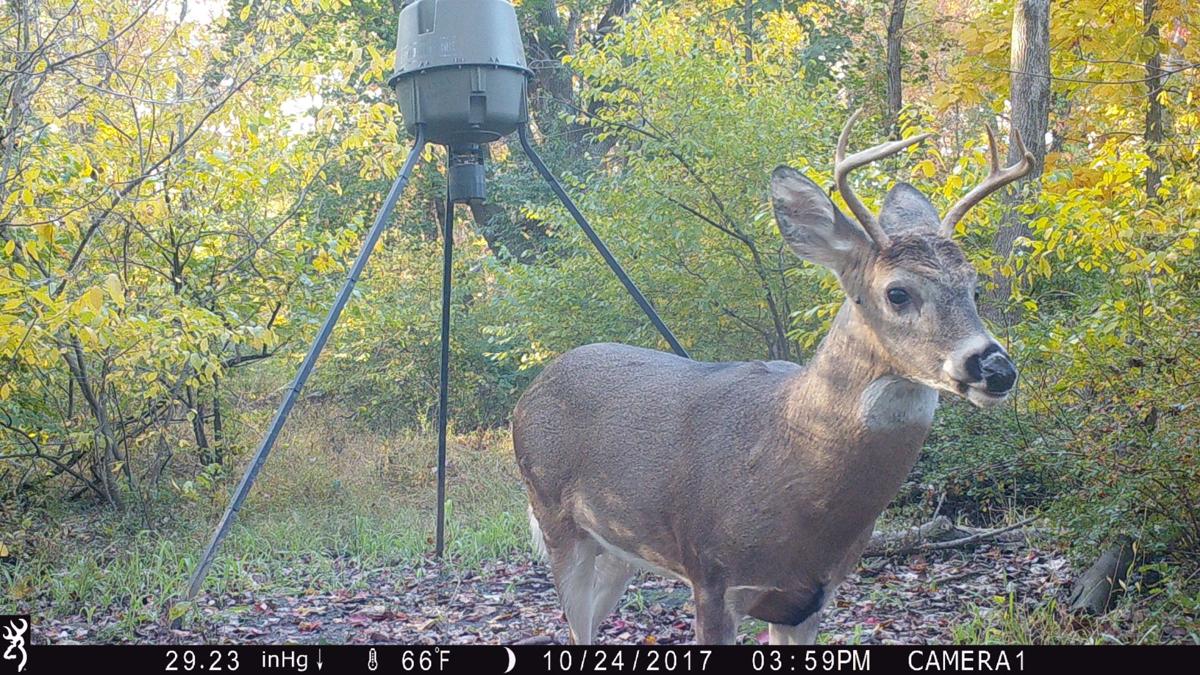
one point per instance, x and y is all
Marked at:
(758, 483)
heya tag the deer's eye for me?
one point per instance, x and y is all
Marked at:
(898, 297)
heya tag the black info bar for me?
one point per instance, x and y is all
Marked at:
(482, 660)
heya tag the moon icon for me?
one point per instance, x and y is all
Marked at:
(512, 660)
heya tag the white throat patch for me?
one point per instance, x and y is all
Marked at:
(891, 402)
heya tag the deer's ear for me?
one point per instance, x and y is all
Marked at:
(810, 223)
(905, 208)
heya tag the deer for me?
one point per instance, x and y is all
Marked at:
(759, 483)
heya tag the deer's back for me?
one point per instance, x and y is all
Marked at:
(617, 399)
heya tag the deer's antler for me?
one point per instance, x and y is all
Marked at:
(996, 179)
(843, 165)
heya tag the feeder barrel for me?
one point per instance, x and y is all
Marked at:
(460, 70)
(456, 33)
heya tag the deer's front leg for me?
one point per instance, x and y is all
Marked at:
(803, 633)
(715, 623)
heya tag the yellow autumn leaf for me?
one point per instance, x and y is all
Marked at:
(94, 298)
(323, 262)
(116, 291)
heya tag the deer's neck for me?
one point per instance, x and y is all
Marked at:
(849, 432)
(849, 411)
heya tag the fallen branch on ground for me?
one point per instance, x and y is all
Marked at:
(937, 535)
(884, 542)
(982, 535)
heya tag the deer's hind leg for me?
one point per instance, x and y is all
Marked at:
(590, 582)
(612, 577)
(573, 562)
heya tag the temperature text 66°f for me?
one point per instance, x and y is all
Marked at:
(424, 660)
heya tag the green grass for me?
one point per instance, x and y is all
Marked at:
(332, 496)
(1010, 623)
(1133, 621)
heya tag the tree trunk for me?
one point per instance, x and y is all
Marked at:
(196, 409)
(748, 29)
(218, 425)
(1030, 100)
(1098, 588)
(17, 105)
(895, 83)
(550, 41)
(615, 10)
(1155, 132)
(1030, 65)
(553, 90)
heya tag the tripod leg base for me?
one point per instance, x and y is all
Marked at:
(281, 415)
(444, 378)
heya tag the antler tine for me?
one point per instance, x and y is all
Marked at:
(996, 179)
(993, 153)
(843, 165)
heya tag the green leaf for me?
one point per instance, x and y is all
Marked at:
(178, 610)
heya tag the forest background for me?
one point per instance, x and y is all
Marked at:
(183, 186)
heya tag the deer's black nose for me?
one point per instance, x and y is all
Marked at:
(997, 371)
(992, 367)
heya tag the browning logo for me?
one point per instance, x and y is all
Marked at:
(15, 630)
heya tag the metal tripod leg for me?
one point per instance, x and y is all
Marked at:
(523, 133)
(443, 380)
(260, 456)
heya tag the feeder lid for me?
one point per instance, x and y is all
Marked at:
(456, 33)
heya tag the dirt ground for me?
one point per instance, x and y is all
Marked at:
(920, 599)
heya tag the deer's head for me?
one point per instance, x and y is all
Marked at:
(909, 282)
